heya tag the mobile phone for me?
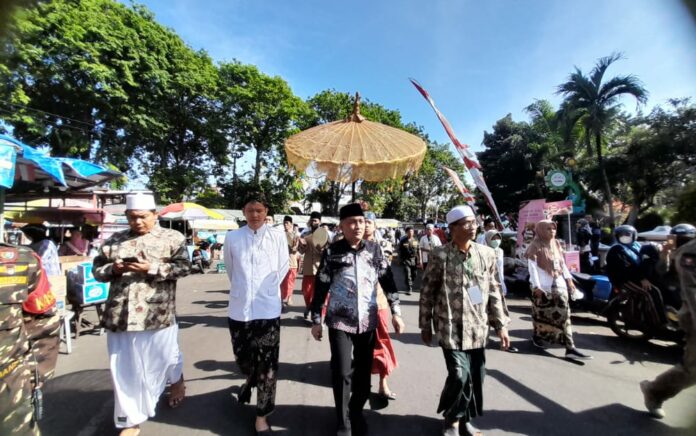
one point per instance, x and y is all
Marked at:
(131, 259)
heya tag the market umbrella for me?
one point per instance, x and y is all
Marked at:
(355, 149)
(188, 211)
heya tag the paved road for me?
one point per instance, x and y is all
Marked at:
(526, 393)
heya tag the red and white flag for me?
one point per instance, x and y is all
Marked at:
(469, 161)
(468, 197)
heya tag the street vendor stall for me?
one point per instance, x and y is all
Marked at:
(27, 173)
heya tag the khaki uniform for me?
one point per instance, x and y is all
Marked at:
(27, 343)
(683, 375)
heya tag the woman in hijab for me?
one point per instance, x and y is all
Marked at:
(493, 240)
(44, 247)
(551, 284)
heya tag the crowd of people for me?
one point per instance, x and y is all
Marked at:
(351, 297)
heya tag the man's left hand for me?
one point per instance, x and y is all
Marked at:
(137, 267)
(504, 338)
(398, 324)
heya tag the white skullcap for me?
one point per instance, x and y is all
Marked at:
(459, 212)
(140, 201)
(430, 226)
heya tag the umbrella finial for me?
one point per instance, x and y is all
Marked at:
(355, 116)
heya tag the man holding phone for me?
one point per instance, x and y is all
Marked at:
(142, 264)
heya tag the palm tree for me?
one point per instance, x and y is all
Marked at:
(595, 103)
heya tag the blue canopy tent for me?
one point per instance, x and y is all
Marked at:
(29, 173)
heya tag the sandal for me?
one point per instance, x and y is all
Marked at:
(130, 431)
(177, 393)
(470, 430)
(388, 395)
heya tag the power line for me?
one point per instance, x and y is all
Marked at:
(67, 126)
(58, 116)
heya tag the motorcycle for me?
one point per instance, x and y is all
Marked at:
(199, 262)
(633, 314)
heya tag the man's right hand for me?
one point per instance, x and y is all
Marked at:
(538, 292)
(317, 331)
(427, 337)
(119, 267)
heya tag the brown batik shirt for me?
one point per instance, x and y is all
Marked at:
(139, 301)
(445, 303)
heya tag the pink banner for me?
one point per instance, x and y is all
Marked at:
(530, 213)
(563, 207)
(572, 260)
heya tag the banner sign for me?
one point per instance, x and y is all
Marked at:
(563, 207)
(461, 187)
(8, 157)
(469, 161)
(572, 260)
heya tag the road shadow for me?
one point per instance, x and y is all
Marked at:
(187, 321)
(218, 304)
(81, 403)
(554, 419)
(219, 413)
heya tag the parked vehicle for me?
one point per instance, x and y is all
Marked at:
(659, 233)
(632, 314)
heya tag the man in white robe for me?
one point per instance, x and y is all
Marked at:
(142, 265)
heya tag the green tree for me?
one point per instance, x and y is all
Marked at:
(98, 79)
(512, 162)
(657, 152)
(432, 185)
(262, 110)
(597, 102)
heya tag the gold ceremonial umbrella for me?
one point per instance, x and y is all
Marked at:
(355, 149)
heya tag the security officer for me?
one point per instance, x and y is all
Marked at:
(681, 376)
(28, 342)
(410, 257)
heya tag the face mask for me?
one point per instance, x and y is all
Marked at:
(625, 239)
(495, 243)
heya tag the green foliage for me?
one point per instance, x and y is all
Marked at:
(95, 78)
(594, 103)
(211, 198)
(262, 111)
(661, 148)
(512, 158)
(686, 206)
(648, 222)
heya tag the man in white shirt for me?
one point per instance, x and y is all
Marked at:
(427, 243)
(256, 260)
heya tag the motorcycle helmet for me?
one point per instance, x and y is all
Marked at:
(684, 233)
(625, 234)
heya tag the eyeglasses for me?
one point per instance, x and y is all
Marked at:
(467, 224)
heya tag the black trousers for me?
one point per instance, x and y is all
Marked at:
(409, 276)
(256, 345)
(350, 373)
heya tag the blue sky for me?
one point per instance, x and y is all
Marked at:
(480, 60)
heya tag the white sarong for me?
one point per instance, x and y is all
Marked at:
(141, 365)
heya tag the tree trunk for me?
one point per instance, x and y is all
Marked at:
(607, 189)
(257, 167)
